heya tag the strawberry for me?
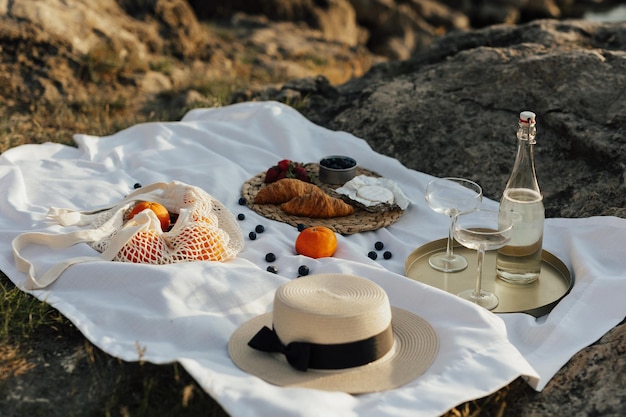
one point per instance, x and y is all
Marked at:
(284, 164)
(272, 174)
(300, 173)
(287, 169)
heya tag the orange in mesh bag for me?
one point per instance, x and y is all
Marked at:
(205, 230)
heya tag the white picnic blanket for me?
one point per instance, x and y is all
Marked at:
(186, 312)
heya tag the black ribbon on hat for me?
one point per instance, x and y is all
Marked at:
(305, 355)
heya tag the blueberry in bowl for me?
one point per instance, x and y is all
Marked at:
(337, 169)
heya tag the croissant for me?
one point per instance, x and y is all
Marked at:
(283, 190)
(317, 205)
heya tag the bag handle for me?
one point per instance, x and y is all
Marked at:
(141, 222)
(69, 217)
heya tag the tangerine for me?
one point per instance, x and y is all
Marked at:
(144, 247)
(161, 212)
(316, 242)
(201, 243)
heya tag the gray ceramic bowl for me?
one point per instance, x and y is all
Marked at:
(337, 169)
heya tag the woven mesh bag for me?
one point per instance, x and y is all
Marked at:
(204, 230)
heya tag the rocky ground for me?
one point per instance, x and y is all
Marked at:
(435, 84)
(146, 56)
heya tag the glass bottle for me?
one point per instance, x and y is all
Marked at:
(519, 262)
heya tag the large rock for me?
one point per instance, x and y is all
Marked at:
(81, 23)
(592, 383)
(334, 18)
(395, 28)
(75, 50)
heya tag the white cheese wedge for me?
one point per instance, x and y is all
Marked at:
(375, 194)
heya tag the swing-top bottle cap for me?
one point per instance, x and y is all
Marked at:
(527, 117)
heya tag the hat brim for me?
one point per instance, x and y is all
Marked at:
(415, 348)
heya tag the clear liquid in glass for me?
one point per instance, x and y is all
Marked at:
(480, 241)
(519, 262)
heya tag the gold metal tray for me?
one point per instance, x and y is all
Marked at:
(536, 299)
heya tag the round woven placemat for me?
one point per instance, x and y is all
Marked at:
(359, 221)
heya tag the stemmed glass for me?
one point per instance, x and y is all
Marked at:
(482, 230)
(451, 196)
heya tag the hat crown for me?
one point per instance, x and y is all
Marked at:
(330, 309)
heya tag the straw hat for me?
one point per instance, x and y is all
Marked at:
(334, 332)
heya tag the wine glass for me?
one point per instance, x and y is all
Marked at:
(451, 196)
(482, 230)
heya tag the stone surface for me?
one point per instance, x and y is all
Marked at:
(395, 28)
(592, 383)
(78, 48)
(74, 49)
(78, 22)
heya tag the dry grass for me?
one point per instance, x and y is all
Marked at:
(12, 362)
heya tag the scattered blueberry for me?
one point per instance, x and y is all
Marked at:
(387, 255)
(242, 201)
(372, 255)
(137, 185)
(301, 227)
(252, 235)
(241, 216)
(270, 257)
(272, 269)
(259, 229)
(303, 270)
(379, 245)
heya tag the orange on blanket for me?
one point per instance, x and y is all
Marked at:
(316, 242)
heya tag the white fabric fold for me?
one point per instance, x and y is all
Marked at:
(186, 312)
(594, 250)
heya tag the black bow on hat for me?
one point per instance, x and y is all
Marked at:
(296, 353)
(305, 355)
